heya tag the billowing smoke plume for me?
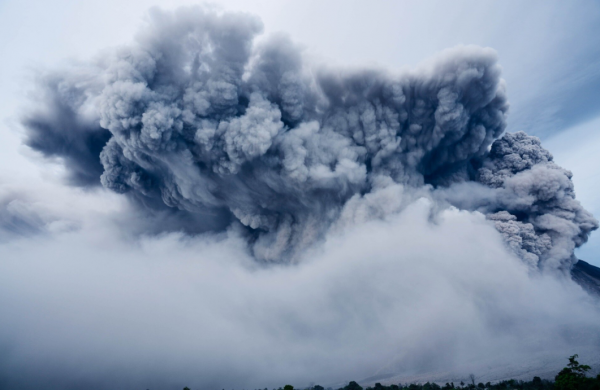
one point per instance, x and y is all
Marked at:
(541, 218)
(198, 120)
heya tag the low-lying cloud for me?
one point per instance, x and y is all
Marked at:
(413, 292)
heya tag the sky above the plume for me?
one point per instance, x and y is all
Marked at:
(402, 280)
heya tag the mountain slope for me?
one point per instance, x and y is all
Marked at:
(587, 276)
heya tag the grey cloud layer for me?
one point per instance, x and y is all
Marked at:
(377, 297)
(198, 119)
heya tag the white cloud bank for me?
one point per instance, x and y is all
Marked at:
(416, 291)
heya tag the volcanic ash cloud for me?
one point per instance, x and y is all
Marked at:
(268, 220)
(199, 121)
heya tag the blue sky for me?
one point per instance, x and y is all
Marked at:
(549, 51)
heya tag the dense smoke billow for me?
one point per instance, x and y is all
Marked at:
(197, 118)
(272, 220)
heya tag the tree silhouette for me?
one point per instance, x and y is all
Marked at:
(353, 386)
(573, 376)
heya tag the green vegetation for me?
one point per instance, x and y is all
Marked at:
(572, 377)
